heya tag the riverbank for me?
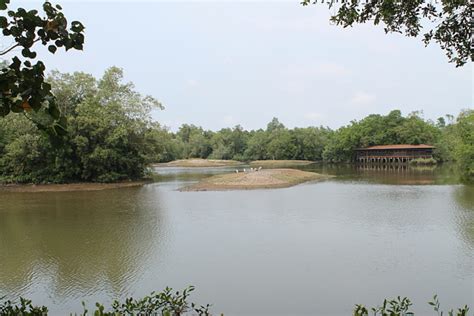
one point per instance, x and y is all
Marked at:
(197, 162)
(263, 179)
(68, 187)
(279, 163)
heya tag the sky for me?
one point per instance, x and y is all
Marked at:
(219, 64)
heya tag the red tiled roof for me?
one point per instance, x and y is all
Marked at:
(399, 146)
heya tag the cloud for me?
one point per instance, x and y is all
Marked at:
(228, 120)
(324, 70)
(363, 98)
(192, 82)
(314, 116)
(333, 69)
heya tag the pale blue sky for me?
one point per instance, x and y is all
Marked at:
(218, 64)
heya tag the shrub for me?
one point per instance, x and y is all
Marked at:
(423, 162)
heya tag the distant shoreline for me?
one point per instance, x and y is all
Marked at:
(263, 179)
(69, 187)
(280, 163)
(197, 162)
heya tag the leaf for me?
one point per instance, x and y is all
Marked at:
(54, 111)
(3, 4)
(77, 26)
(52, 48)
(3, 22)
(25, 52)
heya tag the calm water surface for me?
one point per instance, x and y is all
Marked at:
(313, 249)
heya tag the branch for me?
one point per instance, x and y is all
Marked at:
(8, 50)
(14, 46)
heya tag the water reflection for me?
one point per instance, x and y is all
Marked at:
(464, 196)
(316, 248)
(77, 242)
(390, 174)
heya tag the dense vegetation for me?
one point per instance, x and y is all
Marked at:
(453, 138)
(110, 136)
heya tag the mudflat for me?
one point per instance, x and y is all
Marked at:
(68, 187)
(263, 179)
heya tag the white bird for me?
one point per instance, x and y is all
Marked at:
(245, 170)
(236, 170)
(259, 168)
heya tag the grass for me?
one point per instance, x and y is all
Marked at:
(279, 163)
(197, 162)
(264, 179)
(423, 162)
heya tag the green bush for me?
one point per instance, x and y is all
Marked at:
(400, 307)
(423, 162)
(165, 303)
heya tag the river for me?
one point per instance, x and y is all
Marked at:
(312, 249)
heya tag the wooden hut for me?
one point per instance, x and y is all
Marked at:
(400, 153)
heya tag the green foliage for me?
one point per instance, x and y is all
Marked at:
(423, 162)
(436, 306)
(457, 144)
(448, 22)
(378, 129)
(165, 303)
(400, 307)
(110, 135)
(196, 141)
(22, 85)
(170, 303)
(395, 307)
(229, 143)
(23, 308)
(463, 152)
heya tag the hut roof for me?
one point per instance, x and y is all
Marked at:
(398, 146)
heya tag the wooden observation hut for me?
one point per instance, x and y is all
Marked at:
(401, 153)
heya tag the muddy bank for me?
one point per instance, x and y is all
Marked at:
(263, 179)
(68, 187)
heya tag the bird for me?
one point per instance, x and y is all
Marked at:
(236, 170)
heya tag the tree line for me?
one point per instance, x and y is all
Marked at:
(110, 136)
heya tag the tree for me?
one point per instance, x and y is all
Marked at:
(377, 129)
(196, 141)
(22, 85)
(110, 135)
(448, 22)
(463, 151)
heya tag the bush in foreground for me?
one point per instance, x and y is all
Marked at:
(169, 303)
(400, 307)
(165, 303)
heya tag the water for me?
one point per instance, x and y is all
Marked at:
(316, 248)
